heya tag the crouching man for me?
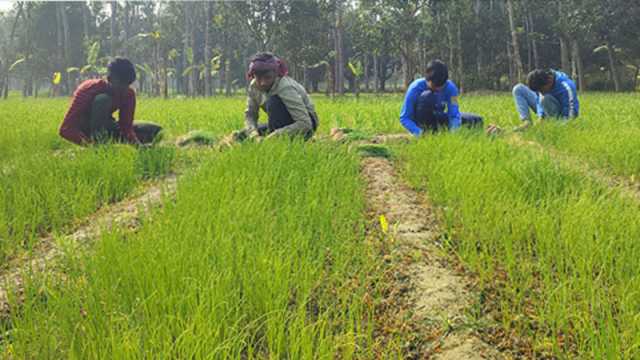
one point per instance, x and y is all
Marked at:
(289, 109)
(90, 119)
(431, 103)
(550, 93)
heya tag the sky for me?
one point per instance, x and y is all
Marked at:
(5, 5)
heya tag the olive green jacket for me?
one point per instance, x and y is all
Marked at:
(294, 97)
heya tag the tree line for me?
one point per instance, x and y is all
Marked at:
(331, 46)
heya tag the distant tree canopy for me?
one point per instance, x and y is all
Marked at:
(202, 48)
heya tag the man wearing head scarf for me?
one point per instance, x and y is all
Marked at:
(286, 102)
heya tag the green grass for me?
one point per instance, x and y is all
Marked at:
(606, 134)
(255, 259)
(262, 254)
(49, 191)
(560, 249)
(48, 184)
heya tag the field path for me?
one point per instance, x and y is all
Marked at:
(123, 214)
(439, 295)
(628, 186)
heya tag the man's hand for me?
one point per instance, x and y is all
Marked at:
(141, 145)
(525, 125)
(273, 134)
(253, 133)
(493, 130)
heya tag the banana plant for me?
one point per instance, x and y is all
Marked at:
(357, 70)
(92, 65)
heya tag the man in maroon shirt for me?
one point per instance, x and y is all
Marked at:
(89, 119)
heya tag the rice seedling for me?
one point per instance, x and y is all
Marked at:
(256, 258)
(559, 248)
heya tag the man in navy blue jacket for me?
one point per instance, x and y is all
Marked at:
(550, 93)
(431, 103)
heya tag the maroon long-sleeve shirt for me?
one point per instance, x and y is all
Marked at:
(76, 120)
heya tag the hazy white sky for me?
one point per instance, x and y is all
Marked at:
(5, 4)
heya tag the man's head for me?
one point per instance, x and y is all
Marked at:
(265, 68)
(541, 81)
(121, 73)
(436, 74)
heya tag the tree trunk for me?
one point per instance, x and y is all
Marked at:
(165, 82)
(612, 66)
(564, 54)
(227, 78)
(85, 23)
(365, 69)
(114, 35)
(376, 74)
(515, 56)
(7, 64)
(305, 77)
(185, 47)
(223, 71)
(460, 67)
(407, 67)
(450, 39)
(339, 77)
(67, 47)
(329, 76)
(2, 76)
(512, 78)
(126, 29)
(534, 43)
(207, 50)
(192, 38)
(576, 61)
(57, 89)
(479, 37)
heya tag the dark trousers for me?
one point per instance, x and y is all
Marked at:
(279, 117)
(102, 127)
(430, 115)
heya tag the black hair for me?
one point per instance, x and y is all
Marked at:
(437, 72)
(538, 78)
(122, 69)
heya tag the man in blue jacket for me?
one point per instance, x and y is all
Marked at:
(550, 93)
(431, 103)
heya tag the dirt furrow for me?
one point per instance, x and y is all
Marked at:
(124, 214)
(439, 295)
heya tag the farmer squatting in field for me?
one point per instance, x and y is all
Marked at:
(431, 103)
(89, 118)
(289, 109)
(550, 94)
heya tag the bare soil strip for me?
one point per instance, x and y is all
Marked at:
(124, 214)
(440, 296)
(627, 186)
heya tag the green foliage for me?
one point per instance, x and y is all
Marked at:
(356, 69)
(92, 53)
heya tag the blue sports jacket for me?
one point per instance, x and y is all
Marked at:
(564, 90)
(445, 96)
